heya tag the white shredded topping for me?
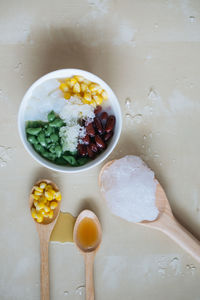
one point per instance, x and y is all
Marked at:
(74, 110)
(69, 136)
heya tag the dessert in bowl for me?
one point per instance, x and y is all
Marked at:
(69, 120)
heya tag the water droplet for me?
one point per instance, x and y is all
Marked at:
(144, 137)
(192, 19)
(18, 67)
(80, 290)
(5, 155)
(191, 268)
(153, 94)
(160, 164)
(173, 160)
(138, 118)
(150, 135)
(156, 155)
(156, 26)
(128, 116)
(128, 103)
(162, 272)
(3, 163)
(142, 146)
(66, 293)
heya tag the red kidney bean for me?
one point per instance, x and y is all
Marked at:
(104, 115)
(97, 109)
(93, 147)
(108, 136)
(82, 150)
(100, 143)
(90, 152)
(110, 124)
(86, 140)
(98, 125)
(90, 130)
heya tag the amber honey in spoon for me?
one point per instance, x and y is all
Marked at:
(44, 230)
(166, 221)
(87, 236)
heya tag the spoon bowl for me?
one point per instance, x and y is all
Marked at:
(166, 221)
(44, 230)
(88, 252)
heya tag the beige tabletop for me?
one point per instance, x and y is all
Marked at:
(148, 52)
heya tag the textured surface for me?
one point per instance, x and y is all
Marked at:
(148, 51)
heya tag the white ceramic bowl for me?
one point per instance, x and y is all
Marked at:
(112, 100)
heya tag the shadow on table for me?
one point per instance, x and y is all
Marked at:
(58, 48)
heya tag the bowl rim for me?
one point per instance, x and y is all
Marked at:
(60, 73)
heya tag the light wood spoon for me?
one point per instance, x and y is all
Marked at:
(167, 223)
(88, 253)
(44, 231)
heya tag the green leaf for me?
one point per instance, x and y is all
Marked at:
(70, 159)
(82, 161)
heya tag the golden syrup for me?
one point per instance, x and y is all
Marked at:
(87, 233)
(63, 230)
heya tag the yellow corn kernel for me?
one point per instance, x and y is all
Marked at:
(85, 101)
(93, 103)
(38, 189)
(48, 187)
(79, 78)
(99, 90)
(71, 82)
(47, 208)
(98, 99)
(63, 87)
(87, 96)
(35, 202)
(50, 214)
(52, 191)
(86, 81)
(93, 87)
(84, 87)
(58, 196)
(37, 193)
(67, 95)
(40, 206)
(35, 197)
(76, 88)
(104, 95)
(39, 217)
(33, 213)
(49, 195)
(43, 212)
(53, 204)
(43, 185)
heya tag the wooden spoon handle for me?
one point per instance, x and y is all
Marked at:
(44, 270)
(89, 264)
(181, 236)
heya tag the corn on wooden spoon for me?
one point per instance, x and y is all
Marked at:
(88, 253)
(44, 231)
(167, 223)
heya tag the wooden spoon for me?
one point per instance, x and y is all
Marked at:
(44, 230)
(89, 253)
(167, 223)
